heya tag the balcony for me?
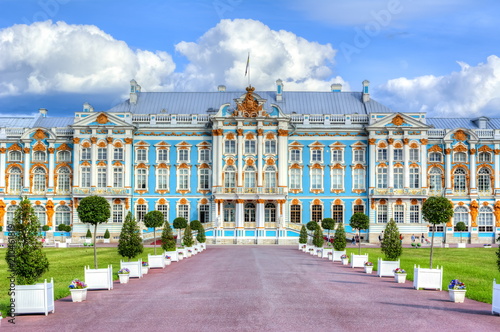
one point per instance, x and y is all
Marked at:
(253, 190)
(100, 191)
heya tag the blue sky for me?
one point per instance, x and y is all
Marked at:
(441, 57)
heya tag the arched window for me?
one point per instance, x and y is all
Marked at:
(63, 176)
(460, 215)
(183, 211)
(338, 213)
(295, 179)
(230, 146)
(250, 176)
(141, 179)
(229, 212)
(484, 157)
(435, 179)
(63, 215)
(39, 156)
(15, 180)
(140, 212)
(382, 177)
(484, 180)
(358, 181)
(399, 213)
(295, 212)
(102, 180)
(460, 157)
(337, 179)
(382, 213)
(270, 177)
(485, 220)
(414, 178)
(317, 213)
(250, 146)
(15, 156)
(398, 177)
(183, 179)
(39, 179)
(435, 157)
(250, 212)
(316, 179)
(63, 156)
(230, 177)
(270, 147)
(10, 213)
(270, 212)
(459, 180)
(40, 214)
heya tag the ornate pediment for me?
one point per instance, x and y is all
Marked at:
(249, 107)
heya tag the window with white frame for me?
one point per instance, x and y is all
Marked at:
(316, 156)
(162, 155)
(117, 213)
(117, 177)
(249, 212)
(230, 177)
(317, 212)
(358, 156)
(337, 179)
(141, 155)
(338, 213)
(484, 157)
(414, 178)
(204, 155)
(10, 213)
(63, 177)
(269, 212)
(15, 180)
(337, 156)
(102, 153)
(460, 157)
(86, 154)
(229, 212)
(250, 177)
(414, 154)
(485, 219)
(295, 179)
(250, 147)
(381, 154)
(270, 177)
(183, 211)
(182, 179)
(204, 179)
(270, 147)
(398, 177)
(295, 213)
(358, 208)
(118, 154)
(435, 157)
(15, 156)
(316, 179)
(398, 154)
(381, 177)
(399, 213)
(230, 146)
(40, 214)
(460, 215)
(358, 179)
(85, 177)
(204, 213)
(163, 208)
(183, 155)
(459, 180)
(39, 156)
(101, 177)
(63, 215)
(141, 179)
(415, 214)
(435, 179)
(162, 179)
(484, 180)
(140, 212)
(39, 182)
(63, 156)
(382, 213)
(295, 155)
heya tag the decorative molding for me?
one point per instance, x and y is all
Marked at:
(424, 141)
(39, 134)
(102, 119)
(460, 135)
(398, 120)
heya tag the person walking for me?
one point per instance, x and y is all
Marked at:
(422, 239)
(413, 238)
(381, 236)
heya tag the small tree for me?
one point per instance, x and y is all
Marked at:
(106, 234)
(498, 254)
(328, 224)
(391, 244)
(359, 221)
(167, 238)
(436, 210)
(318, 237)
(153, 219)
(200, 237)
(461, 227)
(88, 235)
(130, 243)
(179, 223)
(339, 243)
(94, 210)
(25, 257)
(303, 235)
(188, 237)
(312, 225)
(195, 226)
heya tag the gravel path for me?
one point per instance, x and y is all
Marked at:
(261, 288)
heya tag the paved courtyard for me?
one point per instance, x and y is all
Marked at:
(261, 288)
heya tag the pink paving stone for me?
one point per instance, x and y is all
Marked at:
(261, 288)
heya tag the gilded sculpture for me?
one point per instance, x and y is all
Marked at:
(249, 107)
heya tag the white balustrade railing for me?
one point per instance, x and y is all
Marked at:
(436, 133)
(337, 118)
(359, 118)
(253, 190)
(485, 133)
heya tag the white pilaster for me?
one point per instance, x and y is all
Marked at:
(406, 165)
(423, 163)
(27, 167)
(129, 162)
(240, 218)
(372, 167)
(447, 167)
(283, 158)
(76, 163)
(260, 161)
(497, 167)
(51, 165)
(260, 214)
(93, 169)
(239, 142)
(473, 184)
(390, 171)
(109, 163)
(2, 168)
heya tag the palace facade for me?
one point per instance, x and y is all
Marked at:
(253, 166)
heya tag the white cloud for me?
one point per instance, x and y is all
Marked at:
(44, 58)
(472, 91)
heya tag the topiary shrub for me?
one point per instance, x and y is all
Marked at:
(303, 235)
(45, 228)
(359, 221)
(328, 224)
(188, 237)
(461, 227)
(391, 244)
(167, 238)
(436, 210)
(130, 242)
(179, 224)
(154, 219)
(61, 228)
(106, 234)
(340, 242)
(200, 237)
(318, 237)
(89, 234)
(312, 225)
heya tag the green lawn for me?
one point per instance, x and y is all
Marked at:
(476, 267)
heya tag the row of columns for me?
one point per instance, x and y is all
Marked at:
(240, 213)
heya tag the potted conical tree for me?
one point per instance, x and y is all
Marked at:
(461, 227)
(107, 236)
(168, 244)
(392, 248)
(339, 243)
(303, 238)
(130, 245)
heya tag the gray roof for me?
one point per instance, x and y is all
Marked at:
(466, 123)
(54, 122)
(17, 122)
(36, 121)
(300, 102)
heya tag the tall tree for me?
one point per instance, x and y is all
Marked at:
(94, 210)
(328, 224)
(359, 221)
(391, 244)
(167, 238)
(153, 219)
(179, 224)
(436, 210)
(339, 242)
(303, 235)
(25, 257)
(130, 243)
(188, 237)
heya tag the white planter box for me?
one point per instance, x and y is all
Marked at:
(156, 261)
(495, 304)
(336, 255)
(107, 241)
(386, 268)
(461, 245)
(189, 254)
(203, 246)
(134, 267)
(325, 253)
(174, 257)
(88, 241)
(302, 247)
(181, 253)
(99, 278)
(34, 299)
(428, 278)
(358, 260)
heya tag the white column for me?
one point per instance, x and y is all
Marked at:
(109, 164)
(473, 184)
(76, 163)
(282, 158)
(423, 163)
(447, 168)
(390, 171)
(372, 167)
(26, 152)
(260, 161)
(129, 162)
(260, 213)
(2, 167)
(51, 165)
(216, 156)
(93, 169)
(497, 167)
(239, 142)
(239, 213)
(406, 164)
